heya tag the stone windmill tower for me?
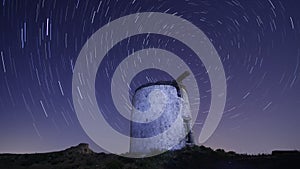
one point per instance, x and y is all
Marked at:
(163, 112)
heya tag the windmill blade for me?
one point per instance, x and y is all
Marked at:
(182, 76)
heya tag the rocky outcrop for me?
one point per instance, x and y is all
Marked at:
(82, 148)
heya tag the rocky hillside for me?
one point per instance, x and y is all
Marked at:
(81, 157)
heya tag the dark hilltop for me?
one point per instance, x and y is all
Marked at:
(196, 157)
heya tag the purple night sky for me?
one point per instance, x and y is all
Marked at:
(258, 42)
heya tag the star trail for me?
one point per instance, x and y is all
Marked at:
(258, 42)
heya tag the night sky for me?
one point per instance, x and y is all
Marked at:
(258, 42)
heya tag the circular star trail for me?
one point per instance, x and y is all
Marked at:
(257, 41)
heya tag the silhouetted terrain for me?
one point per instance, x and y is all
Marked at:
(188, 158)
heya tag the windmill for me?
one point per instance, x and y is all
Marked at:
(161, 117)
